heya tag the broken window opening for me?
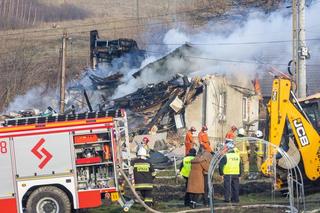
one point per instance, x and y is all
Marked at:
(245, 109)
(222, 106)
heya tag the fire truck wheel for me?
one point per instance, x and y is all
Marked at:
(48, 199)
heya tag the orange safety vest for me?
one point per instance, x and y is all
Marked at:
(189, 141)
(204, 141)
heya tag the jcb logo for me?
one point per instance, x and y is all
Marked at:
(301, 132)
(274, 95)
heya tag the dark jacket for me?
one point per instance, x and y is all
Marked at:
(223, 162)
(144, 173)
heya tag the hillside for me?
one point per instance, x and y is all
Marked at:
(30, 57)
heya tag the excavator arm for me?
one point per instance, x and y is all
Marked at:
(284, 106)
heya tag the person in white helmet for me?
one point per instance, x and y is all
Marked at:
(243, 146)
(260, 149)
(144, 174)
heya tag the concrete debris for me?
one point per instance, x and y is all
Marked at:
(156, 141)
(158, 101)
(176, 104)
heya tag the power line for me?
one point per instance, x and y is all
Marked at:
(225, 60)
(232, 61)
(230, 43)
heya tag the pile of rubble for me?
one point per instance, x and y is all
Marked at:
(159, 103)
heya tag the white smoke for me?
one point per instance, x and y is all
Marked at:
(238, 49)
(37, 97)
(174, 38)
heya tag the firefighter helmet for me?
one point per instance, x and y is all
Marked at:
(259, 134)
(145, 140)
(241, 132)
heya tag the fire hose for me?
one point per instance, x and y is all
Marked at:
(148, 207)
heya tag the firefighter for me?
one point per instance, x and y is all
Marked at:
(189, 141)
(144, 174)
(204, 139)
(232, 132)
(185, 169)
(230, 168)
(145, 145)
(243, 147)
(259, 149)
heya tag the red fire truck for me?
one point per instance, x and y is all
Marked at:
(60, 163)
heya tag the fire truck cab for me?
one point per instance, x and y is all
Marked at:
(60, 163)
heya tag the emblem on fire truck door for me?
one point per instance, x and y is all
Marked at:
(41, 153)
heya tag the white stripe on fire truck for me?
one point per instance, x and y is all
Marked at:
(59, 129)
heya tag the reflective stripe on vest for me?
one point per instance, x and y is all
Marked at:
(142, 167)
(242, 145)
(185, 171)
(260, 150)
(143, 186)
(232, 166)
(148, 199)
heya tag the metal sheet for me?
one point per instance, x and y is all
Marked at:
(43, 154)
(6, 176)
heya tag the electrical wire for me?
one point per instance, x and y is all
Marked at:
(230, 60)
(230, 43)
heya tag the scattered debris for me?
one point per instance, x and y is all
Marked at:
(158, 101)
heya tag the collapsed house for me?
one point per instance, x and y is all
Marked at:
(159, 103)
(163, 110)
(171, 106)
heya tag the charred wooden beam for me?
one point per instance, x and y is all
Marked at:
(87, 100)
(164, 109)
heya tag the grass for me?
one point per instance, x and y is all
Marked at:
(312, 202)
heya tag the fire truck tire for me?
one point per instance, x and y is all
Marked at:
(48, 199)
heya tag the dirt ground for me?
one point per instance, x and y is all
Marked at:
(169, 198)
(177, 205)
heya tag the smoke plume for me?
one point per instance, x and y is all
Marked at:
(240, 48)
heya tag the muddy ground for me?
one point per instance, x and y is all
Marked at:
(169, 194)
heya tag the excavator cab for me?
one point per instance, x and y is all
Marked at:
(311, 106)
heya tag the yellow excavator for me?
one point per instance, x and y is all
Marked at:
(294, 126)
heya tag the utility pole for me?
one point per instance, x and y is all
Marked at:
(294, 40)
(63, 72)
(303, 52)
(137, 10)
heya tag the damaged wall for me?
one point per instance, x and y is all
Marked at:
(221, 105)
